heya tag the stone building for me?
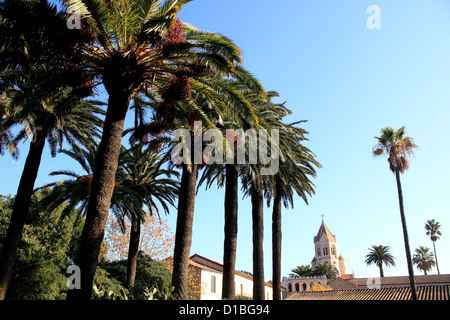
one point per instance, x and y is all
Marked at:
(325, 251)
(325, 248)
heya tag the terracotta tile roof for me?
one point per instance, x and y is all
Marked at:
(433, 279)
(437, 292)
(341, 284)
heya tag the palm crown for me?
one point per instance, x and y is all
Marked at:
(380, 255)
(397, 146)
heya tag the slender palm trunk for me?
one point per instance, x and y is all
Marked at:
(231, 229)
(258, 238)
(276, 239)
(133, 250)
(405, 236)
(435, 256)
(20, 211)
(101, 192)
(183, 235)
(381, 269)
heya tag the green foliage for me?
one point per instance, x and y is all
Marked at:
(106, 287)
(152, 278)
(424, 259)
(154, 293)
(380, 255)
(44, 252)
(49, 243)
(301, 271)
(318, 270)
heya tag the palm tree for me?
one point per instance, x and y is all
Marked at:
(33, 62)
(380, 255)
(296, 167)
(143, 178)
(424, 259)
(324, 269)
(213, 100)
(226, 175)
(189, 177)
(58, 117)
(6, 135)
(255, 184)
(138, 46)
(433, 230)
(140, 184)
(398, 147)
(301, 271)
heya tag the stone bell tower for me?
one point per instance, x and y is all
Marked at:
(325, 248)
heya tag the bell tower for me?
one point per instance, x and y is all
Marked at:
(325, 249)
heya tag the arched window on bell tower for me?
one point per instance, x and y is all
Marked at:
(333, 251)
(325, 251)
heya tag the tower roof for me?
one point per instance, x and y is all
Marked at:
(323, 230)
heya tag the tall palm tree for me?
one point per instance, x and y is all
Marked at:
(380, 255)
(296, 168)
(37, 50)
(226, 175)
(432, 228)
(424, 259)
(59, 117)
(234, 102)
(212, 99)
(255, 183)
(398, 147)
(142, 176)
(138, 46)
(140, 184)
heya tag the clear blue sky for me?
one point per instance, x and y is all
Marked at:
(348, 82)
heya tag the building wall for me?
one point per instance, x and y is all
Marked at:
(302, 284)
(243, 286)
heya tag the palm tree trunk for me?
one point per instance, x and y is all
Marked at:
(381, 269)
(20, 211)
(435, 256)
(133, 250)
(405, 236)
(276, 239)
(258, 238)
(101, 192)
(231, 229)
(183, 235)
